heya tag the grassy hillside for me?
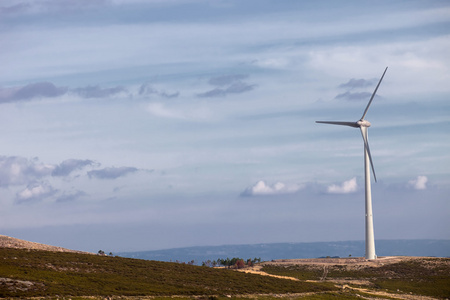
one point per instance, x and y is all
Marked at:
(30, 273)
(417, 276)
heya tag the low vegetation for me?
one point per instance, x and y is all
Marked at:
(34, 273)
(425, 276)
(234, 263)
(28, 273)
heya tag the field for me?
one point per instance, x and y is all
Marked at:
(26, 273)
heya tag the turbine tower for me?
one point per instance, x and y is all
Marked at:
(363, 125)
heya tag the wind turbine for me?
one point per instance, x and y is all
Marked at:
(363, 125)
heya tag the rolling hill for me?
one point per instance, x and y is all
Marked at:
(29, 270)
(44, 271)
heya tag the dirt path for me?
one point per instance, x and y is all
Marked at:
(350, 263)
(257, 270)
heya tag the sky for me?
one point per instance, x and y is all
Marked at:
(144, 125)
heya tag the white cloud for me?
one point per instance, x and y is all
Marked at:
(15, 170)
(158, 109)
(19, 170)
(421, 61)
(349, 186)
(263, 189)
(193, 114)
(272, 63)
(36, 192)
(420, 183)
(69, 165)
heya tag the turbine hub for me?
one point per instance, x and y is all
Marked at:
(363, 123)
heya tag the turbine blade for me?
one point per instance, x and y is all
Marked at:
(366, 145)
(373, 95)
(351, 124)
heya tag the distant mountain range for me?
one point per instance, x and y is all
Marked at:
(438, 248)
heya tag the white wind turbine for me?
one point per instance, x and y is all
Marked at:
(363, 125)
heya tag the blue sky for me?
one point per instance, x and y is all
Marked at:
(140, 125)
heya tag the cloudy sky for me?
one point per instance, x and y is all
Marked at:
(141, 125)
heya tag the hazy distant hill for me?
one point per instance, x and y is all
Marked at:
(438, 248)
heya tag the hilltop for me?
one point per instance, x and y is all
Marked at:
(10, 242)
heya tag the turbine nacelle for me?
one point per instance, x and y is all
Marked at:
(363, 123)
